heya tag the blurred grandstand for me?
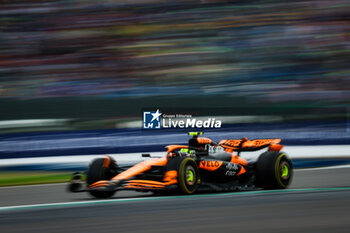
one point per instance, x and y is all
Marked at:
(101, 61)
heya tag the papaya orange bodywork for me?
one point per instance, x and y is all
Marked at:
(239, 160)
(170, 177)
(100, 183)
(142, 187)
(175, 147)
(150, 182)
(275, 147)
(242, 171)
(204, 140)
(146, 182)
(230, 143)
(235, 144)
(106, 162)
(140, 168)
(259, 142)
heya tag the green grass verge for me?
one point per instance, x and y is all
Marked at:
(33, 177)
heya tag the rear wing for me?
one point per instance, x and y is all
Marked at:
(250, 145)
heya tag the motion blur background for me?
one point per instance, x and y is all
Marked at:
(90, 64)
(76, 74)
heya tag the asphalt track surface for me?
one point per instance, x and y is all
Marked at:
(317, 201)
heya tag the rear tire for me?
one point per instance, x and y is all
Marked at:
(97, 171)
(274, 170)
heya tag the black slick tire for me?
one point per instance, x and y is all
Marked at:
(99, 171)
(188, 176)
(274, 170)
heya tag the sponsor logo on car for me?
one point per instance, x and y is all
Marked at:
(211, 163)
(231, 166)
(230, 173)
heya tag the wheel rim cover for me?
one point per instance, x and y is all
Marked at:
(190, 176)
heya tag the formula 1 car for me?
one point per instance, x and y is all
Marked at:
(200, 165)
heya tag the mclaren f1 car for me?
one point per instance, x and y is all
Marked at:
(201, 165)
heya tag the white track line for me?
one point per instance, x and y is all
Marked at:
(55, 204)
(81, 203)
(324, 168)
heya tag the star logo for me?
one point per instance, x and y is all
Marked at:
(156, 115)
(151, 120)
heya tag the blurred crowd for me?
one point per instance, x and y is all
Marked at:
(264, 50)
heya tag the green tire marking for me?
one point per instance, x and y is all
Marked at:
(277, 168)
(189, 175)
(285, 171)
(181, 177)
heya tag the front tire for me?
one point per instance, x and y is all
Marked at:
(101, 169)
(188, 176)
(274, 170)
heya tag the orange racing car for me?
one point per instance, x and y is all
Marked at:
(201, 165)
